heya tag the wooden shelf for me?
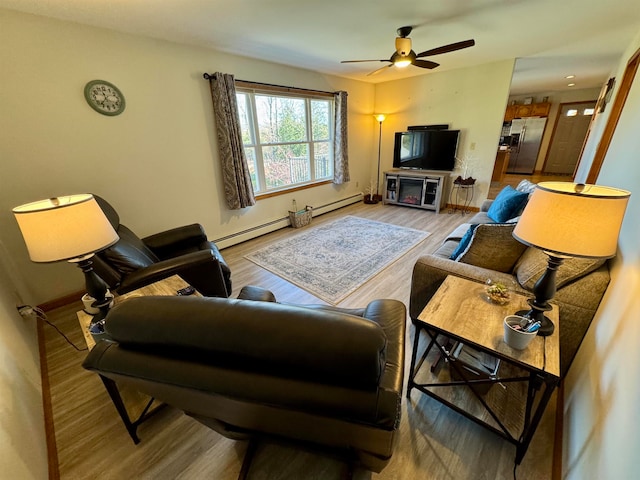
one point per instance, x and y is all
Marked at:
(507, 400)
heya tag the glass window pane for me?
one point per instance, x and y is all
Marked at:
(281, 119)
(320, 119)
(245, 113)
(250, 153)
(323, 162)
(286, 165)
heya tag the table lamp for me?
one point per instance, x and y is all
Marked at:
(566, 220)
(70, 228)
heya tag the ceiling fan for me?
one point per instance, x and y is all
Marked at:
(405, 56)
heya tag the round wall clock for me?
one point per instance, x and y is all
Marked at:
(104, 97)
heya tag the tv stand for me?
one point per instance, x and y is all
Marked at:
(414, 188)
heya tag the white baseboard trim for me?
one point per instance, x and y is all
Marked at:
(277, 224)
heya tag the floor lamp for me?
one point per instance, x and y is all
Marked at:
(566, 220)
(380, 118)
(69, 228)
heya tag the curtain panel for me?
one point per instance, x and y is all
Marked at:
(340, 150)
(238, 189)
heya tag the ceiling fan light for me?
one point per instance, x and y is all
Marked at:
(402, 62)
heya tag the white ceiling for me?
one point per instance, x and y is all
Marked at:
(550, 38)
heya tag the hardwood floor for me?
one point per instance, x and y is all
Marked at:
(434, 442)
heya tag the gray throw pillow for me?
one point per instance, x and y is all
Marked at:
(533, 264)
(492, 246)
(526, 186)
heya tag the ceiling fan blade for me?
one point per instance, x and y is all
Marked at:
(375, 72)
(425, 64)
(359, 61)
(447, 48)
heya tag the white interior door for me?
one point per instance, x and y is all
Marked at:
(571, 128)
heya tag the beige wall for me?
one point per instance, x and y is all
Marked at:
(23, 452)
(157, 163)
(471, 100)
(602, 431)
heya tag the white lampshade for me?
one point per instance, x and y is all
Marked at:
(573, 220)
(64, 228)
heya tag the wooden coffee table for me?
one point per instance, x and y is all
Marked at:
(136, 401)
(460, 312)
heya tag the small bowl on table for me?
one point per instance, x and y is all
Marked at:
(497, 293)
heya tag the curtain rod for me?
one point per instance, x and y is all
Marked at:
(209, 76)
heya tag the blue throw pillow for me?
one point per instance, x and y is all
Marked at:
(507, 204)
(464, 242)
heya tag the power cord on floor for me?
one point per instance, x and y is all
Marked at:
(29, 311)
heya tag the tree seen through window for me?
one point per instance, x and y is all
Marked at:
(287, 139)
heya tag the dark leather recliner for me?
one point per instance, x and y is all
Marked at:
(314, 374)
(134, 262)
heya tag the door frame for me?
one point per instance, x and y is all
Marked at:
(614, 117)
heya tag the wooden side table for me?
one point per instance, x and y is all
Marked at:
(166, 287)
(460, 312)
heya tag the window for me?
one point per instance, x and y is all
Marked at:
(288, 138)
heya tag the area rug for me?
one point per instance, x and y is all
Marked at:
(332, 260)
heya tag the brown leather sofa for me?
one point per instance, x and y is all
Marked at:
(311, 374)
(134, 262)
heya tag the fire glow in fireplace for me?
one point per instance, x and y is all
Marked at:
(410, 191)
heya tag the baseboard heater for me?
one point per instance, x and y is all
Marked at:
(283, 222)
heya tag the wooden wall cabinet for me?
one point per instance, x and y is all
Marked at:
(523, 111)
(540, 109)
(510, 113)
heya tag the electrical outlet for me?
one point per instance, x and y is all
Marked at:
(26, 311)
(472, 146)
(357, 184)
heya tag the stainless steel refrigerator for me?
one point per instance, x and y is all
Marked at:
(526, 136)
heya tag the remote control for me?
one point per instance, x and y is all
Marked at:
(187, 291)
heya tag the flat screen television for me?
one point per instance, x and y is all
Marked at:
(426, 149)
